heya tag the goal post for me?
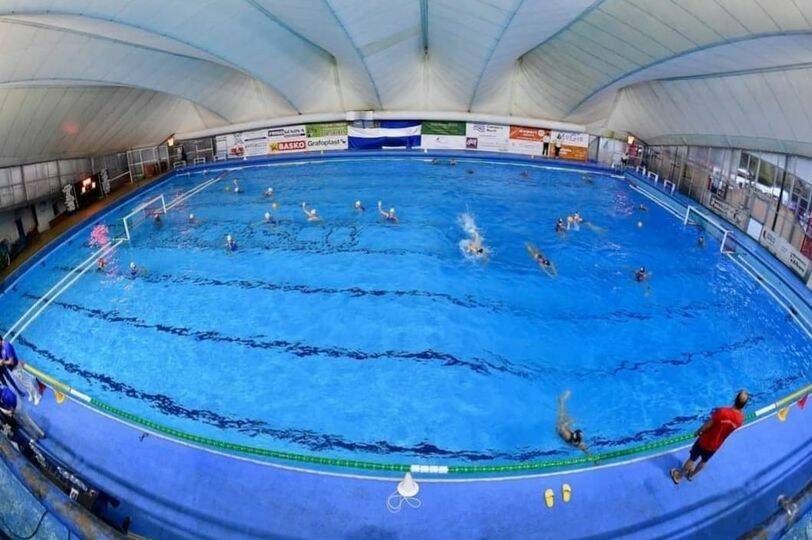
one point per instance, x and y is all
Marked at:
(152, 208)
(711, 227)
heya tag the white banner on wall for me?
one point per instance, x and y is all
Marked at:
(785, 252)
(491, 137)
(446, 142)
(286, 139)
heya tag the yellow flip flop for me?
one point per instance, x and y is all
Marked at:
(549, 497)
(566, 492)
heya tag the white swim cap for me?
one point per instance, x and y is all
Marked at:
(267, 216)
(269, 190)
(357, 203)
(312, 211)
(391, 210)
(132, 266)
(191, 217)
(228, 238)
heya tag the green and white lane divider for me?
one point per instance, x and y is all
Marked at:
(370, 466)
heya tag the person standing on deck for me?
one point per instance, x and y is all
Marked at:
(12, 371)
(723, 422)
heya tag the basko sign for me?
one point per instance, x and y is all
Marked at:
(287, 139)
(785, 252)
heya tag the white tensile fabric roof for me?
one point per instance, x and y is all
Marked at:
(79, 77)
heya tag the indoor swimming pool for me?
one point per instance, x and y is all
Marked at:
(360, 338)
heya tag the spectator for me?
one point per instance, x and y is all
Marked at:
(723, 422)
(12, 371)
(14, 416)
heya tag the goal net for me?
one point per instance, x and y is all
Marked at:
(711, 228)
(152, 210)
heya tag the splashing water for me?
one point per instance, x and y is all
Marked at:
(100, 235)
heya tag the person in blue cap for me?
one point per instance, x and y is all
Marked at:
(13, 415)
(11, 370)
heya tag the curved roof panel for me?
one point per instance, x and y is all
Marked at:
(666, 70)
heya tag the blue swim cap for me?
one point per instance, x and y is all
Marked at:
(8, 399)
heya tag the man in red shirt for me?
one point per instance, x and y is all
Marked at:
(723, 422)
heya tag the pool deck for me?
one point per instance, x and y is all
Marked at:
(173, 490)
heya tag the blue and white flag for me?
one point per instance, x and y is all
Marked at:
(377, 134)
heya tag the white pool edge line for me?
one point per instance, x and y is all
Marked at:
(107, 249)
(397, 475)
(52, 293)
(803, 323)
(52, 289)
(753, 274)
(81, 226)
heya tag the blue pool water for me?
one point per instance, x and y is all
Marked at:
(362, 339)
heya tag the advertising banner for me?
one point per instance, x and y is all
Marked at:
(569, 145)
(230, 146)
(785, 252)
(444, 135)
(490, 137)
(529, 140)
(328, 136)
(287, 139)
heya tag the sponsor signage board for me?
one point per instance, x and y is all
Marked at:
(489, 137)
(785, 252)
(443, 135)
(327, 136)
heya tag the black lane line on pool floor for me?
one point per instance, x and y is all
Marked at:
(320, 442)
(475, 364)
(310, 440)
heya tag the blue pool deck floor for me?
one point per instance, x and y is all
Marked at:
(174, 490)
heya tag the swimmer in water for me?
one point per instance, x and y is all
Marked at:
(559, 226)
(642, 208)
(101, 265)
(641, 275)
(269, 193)
(524, 174)
(192, 218)
(452, 162)
(311, 214)
(473, 246)
(231, 244)
(701, 241)
(388, 216)
(267, 218)
(543, 262)
(236, 186)
(564, 424)
(587, 178)
(358, 206)
(571, 223)
(470, 171)
(133, 269)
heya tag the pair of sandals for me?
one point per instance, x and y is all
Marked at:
(549, 495)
